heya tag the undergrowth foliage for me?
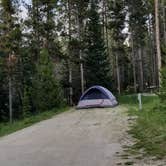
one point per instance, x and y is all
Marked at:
(162, 93)
(150, 127)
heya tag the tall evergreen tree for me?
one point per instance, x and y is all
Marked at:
(42, 36)
(10, 41)
(117, 25)
(46, 91)
(3, 90)
(96, 60)
(138, 28)
(74, 17)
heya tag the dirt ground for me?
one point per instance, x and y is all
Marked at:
(93, 137)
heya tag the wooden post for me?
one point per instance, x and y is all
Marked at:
(140, 101)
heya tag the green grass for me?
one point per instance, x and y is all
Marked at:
(8, 128)
(150, 126)
(132, 100)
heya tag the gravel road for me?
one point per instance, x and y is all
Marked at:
(76, 138)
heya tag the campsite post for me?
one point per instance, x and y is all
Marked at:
(140, 101)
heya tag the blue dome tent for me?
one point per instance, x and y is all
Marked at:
(97, 96)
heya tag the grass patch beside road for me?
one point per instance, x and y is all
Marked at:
(8, 128)
(150, 126)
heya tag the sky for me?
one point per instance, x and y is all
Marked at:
(23, 13)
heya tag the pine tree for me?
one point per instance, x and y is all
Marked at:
(46, 93)
(117, 25)
(139, 33)
(96, 60)
(42, 39)
(3, 91)
(10, 39)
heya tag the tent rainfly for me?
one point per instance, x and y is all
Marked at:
(97, 97)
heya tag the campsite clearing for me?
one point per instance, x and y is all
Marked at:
(93, 137)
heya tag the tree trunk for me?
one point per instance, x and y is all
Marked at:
(69, 56)
(118, 74)
(164, 19)
(133, 64)
(103, 18)
(141, 85)
(105, 24)
(80, 29)
(106, 28)
(70, 83)
(152, 53)
(82, 73)
(10, 100)
(158, 40)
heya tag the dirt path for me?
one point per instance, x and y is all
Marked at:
(77, 138)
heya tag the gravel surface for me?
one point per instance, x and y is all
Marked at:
(93, 137)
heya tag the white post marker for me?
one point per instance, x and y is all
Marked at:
(140, 101)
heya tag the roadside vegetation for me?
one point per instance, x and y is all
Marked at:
(150, 127)
(8, 128)
(53, 50)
